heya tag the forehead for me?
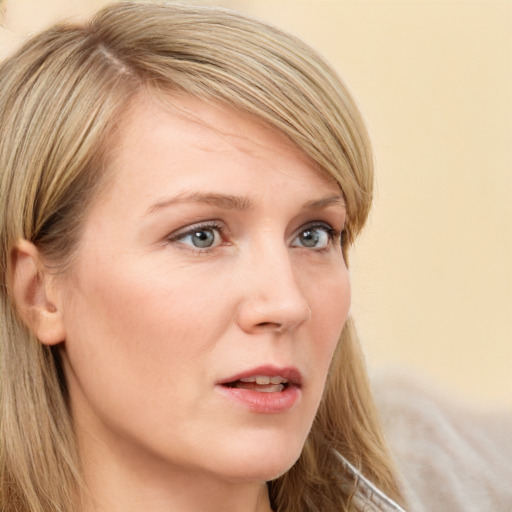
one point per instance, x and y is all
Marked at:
(206, 126)
(180, 135)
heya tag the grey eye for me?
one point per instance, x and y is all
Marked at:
(201, 238)
(316, 237)
(204, 238)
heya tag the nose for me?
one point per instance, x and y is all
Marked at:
(272, 299)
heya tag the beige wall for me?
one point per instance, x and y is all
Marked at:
(433, 273)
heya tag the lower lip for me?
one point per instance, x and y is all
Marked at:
(263, 403)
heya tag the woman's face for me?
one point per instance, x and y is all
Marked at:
(207, 296)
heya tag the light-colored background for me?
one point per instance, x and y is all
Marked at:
(433, 272)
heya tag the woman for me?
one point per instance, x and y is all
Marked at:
(180, 188)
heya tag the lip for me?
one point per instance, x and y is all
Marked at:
(290, 373)
(260, 402)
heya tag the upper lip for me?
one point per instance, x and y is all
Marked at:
(291, 374)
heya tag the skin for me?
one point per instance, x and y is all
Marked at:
(153, 323)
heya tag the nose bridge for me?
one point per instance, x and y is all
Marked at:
(274, 298)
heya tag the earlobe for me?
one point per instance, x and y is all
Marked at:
(33, 294)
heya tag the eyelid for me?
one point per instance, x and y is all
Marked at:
(175, 236)
(332, 233)
(219, 226)
(321, 224)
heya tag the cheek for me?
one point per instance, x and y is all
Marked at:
(134, 342)
(141, 327)
(331, 304)
(330, 309)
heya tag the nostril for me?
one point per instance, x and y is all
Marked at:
(274, 326)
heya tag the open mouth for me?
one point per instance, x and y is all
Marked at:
(265, 389)
(261, 383)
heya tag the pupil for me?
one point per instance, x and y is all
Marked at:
(310, 238)
(203, 238)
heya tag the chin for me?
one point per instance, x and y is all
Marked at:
(265, 465)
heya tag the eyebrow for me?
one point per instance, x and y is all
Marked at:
(224, 201)
(239, 203)
(324, 202)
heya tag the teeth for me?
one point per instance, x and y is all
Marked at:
(274, 388)
(265, 380)
(262, 388)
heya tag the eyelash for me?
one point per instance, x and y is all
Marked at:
(190, 230)
(332, 233)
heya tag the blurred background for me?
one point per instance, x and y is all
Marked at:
(432, 273)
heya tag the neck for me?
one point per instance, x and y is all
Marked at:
(119, 481)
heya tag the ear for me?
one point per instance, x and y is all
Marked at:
(34, 294)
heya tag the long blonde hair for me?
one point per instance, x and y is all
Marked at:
(61, 97)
